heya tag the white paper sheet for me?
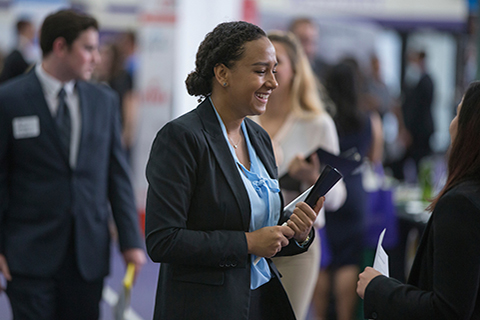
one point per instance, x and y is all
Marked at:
(381, 258)
(291, 206)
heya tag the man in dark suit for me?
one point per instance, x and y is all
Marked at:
(418, 96)
(18, 61)
(62, 171)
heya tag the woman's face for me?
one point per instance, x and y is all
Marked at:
(454, 124)
(251, 79)
(285, 72)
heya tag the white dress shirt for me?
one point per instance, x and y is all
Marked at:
(51, 87)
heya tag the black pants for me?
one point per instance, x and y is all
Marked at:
(270, 301)
(64, 296)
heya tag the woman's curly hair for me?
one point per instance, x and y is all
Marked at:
(223, 45)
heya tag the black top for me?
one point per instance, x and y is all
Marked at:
(14, 65)
(444, 282)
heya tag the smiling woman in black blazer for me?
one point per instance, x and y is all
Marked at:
(213, 202)
(444, 282)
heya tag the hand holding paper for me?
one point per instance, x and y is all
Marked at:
(380, 262)
(380, 267)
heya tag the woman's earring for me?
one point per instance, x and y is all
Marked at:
(224, 84)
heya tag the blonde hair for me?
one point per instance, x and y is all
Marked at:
(304, 98)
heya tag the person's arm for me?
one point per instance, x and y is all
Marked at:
(122, 201)
(375, 153)
(456, 263)
(325, 136)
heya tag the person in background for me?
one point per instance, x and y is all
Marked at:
(443, 281)
(418, 94)
(213, 202)
(379, 97)
(24, 54)
(306, 31)
(63, 172)
(128, 46)
(112, 72)
(298, 125)
(345, 227)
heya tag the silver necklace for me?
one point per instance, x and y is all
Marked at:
(235, 145)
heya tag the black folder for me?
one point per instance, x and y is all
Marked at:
(346, 163)
(328, 178)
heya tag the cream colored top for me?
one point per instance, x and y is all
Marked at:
(303, 136)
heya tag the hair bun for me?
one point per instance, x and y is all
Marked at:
(196, 84)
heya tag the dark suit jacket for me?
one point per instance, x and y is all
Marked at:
(197, 214)
(417, 114)
(41, 196)
(13, 66)
(444, 282)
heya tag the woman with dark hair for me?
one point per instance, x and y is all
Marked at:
(213, 202)
(345, 228)
(444, 281)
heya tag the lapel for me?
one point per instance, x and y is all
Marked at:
(221, 151)
(86, 115)
(214, 136)
(36, 98)
(260, 149)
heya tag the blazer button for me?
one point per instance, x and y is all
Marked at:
(374, 315)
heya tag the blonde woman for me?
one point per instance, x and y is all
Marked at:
(298, 125)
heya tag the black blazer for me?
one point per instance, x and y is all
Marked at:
(197, 214)
(417, 112)
(13, 66)
(41, 195)
(444, 282)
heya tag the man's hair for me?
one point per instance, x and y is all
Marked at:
(67, 24)
(298, 21)
(22, 24)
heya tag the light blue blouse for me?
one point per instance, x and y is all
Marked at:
(263, 193)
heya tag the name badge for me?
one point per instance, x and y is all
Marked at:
(26, 127)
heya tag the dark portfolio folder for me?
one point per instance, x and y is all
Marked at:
(346, 163)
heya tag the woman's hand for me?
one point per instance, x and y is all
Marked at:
(302, 219)
(364, 279)
(303, 170)
(268, 241)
